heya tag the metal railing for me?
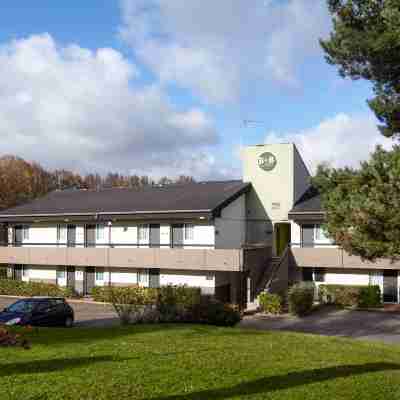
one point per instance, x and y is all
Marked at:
(109, 245)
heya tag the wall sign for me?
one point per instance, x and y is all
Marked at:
(267, 161)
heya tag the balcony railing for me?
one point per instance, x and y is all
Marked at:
(124, 255)
(332, 256)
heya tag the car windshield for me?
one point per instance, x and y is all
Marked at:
(22, 306)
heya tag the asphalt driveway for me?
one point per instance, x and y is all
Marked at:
(86, 314)
(369, 325)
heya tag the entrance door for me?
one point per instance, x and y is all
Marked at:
(307, 235)
(177, 235)
(71, 277)
(90, 235)
(390, 286)
(18, 235)
(282, 237)
(89, 280)
(17, 272)
(155, 235)
(71, 235)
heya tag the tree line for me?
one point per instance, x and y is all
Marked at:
(22, 181)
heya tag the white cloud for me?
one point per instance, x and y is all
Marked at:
(67, 106)
(343, 140)
(216, 47)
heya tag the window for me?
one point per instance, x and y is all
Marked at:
(319, 275)
(99, 232)
(143, 232)
(99, 275)
(209, 277)
(320, 234)
(25, 231)
(142, 277)
(60, 274)
(307, 275)
(61, 233)
(189, 231)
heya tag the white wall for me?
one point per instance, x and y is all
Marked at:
(193, 279)
(124, 234)
(42, 272)
(231, 226)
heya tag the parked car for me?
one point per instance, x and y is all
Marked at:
(39, 311)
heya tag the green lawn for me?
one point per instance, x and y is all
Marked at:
(179, 362)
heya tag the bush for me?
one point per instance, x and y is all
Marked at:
(13, 339)
(370, 296)
(167, 304)
(301, 298)
(213, 312)
(176, 302)
(350, 295)
(19, 288)
(340, 295)
(270, 303)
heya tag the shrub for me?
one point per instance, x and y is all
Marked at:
(270, 303)
(350, 295)
(301, 298)
(19, 288)
(130, 303)
(176, 302)
(167, 304)
(9, 338)
(213, 312)
(370, 296)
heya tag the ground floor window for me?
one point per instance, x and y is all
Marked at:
(314, 274)
(60, 274)
(25, 272)
(99, 275)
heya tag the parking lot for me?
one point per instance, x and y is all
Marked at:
(86, 314)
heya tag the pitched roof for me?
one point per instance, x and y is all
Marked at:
(309, 202)
(207, 197)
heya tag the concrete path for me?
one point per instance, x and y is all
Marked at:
(369, 325)
(86, 314)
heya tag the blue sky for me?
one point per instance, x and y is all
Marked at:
(162, 87)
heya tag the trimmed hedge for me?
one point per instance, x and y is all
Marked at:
(301, 298)
(270, 303)
(350, 295)
(19, 288)
(166, 304)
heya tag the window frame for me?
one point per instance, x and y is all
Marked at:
(146, 229)
(62, 233)
(188, 233)
(25, 232)
(100, 232)
(98, 272)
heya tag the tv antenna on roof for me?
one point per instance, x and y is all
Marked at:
(248, 123)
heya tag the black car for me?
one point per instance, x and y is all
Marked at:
(39, 311)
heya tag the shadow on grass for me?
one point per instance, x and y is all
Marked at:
(53, 365)
(281, 382)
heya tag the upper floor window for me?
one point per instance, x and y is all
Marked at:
(143, 232)
(25, 232)
(189, 231)
(100, 232)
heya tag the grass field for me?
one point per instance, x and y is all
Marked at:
(179, 362)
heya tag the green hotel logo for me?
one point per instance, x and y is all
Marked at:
(267, 161)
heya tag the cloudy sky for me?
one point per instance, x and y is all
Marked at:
(163, 87)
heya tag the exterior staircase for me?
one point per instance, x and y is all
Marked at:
(264, 283)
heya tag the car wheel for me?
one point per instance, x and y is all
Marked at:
(69, 322)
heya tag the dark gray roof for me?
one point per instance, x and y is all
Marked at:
(310, 201)
(191, 197)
